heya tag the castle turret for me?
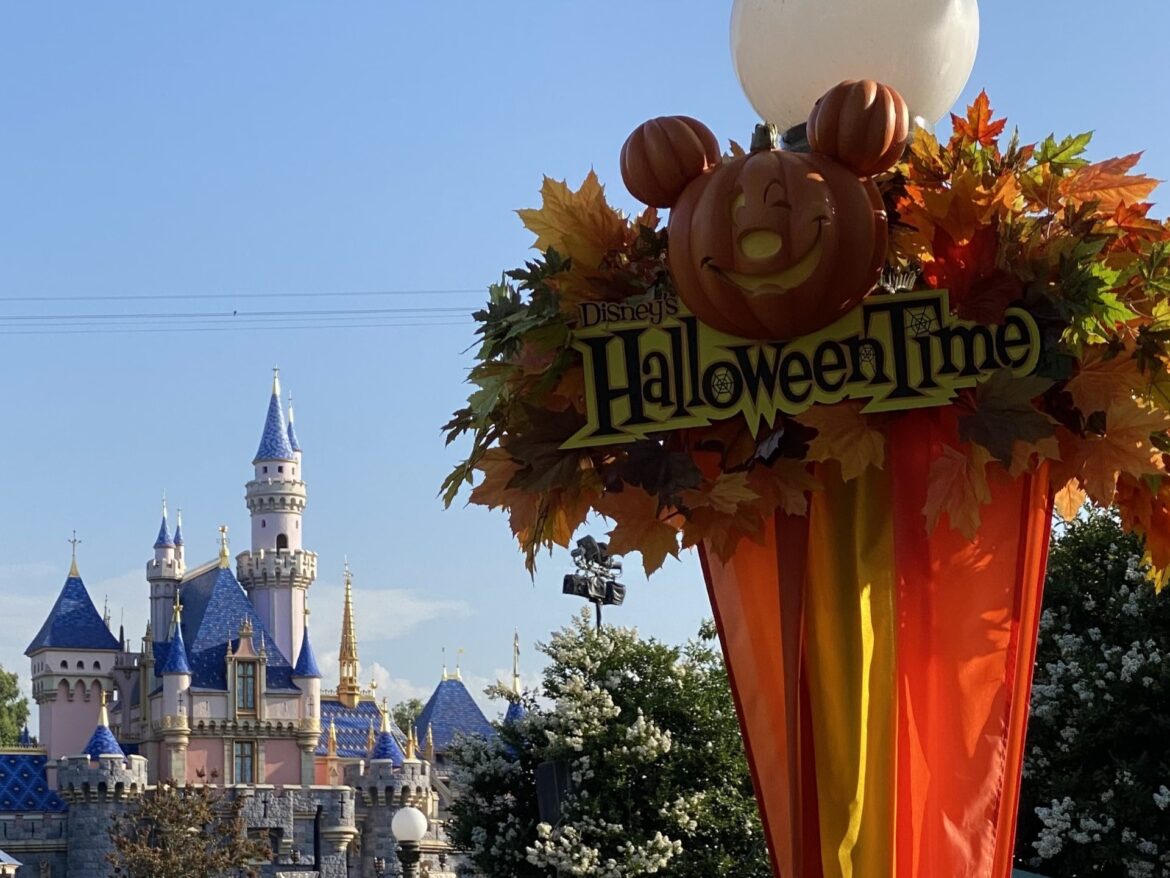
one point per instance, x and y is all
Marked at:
(71, 660)
(277, 571)
(176, 673)
(516, 711)
(164, 572)
(99, 785)
(307, 677)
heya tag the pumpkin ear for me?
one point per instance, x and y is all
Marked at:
(864, 125)
(663, 155)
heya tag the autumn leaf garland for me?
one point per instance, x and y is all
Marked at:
(1031, 225)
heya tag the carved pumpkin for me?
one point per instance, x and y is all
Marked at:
(865, 125)
(773, 244)
(662, 156)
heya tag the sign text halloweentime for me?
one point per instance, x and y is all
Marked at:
(654, 367)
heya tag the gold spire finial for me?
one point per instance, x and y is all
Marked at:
(444, 664)
(384, 709)
(429, 752)
(348, 688)
(104, 715)
(331, 745)
(411, 744)
(73, 574)
(224, 554)
(176, 612)
(458, 661)
(370, 736)
(516, 662)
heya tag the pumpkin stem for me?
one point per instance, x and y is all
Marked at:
(795, 139)
(765, 137)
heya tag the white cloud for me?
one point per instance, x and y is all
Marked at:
(379, 614)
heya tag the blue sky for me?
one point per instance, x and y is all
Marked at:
(217, 149)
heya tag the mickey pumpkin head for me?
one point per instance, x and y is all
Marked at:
(774, 244)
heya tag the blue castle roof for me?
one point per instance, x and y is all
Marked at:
(274, 442)
(73, 623)
(176, 662)
(178, 533)
(292, 433)
(306, 660)
(102, 743)
(515, 713)
(164, 535)
(352, 725)
(24, 786)
(451, 711)
(386, 747)
(215, 606)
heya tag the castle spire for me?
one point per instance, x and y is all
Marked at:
(292, 433)
(104, 714)
(164, 540)
(225, 558)
(73, 572)
(331, 744)
(516, 662)
(178, 537)
(348, 688)
(274, 444)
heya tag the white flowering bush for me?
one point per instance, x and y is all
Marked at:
(1096, 793)
(658, 780)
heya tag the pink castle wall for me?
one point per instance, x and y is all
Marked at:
(205, 754)
(282, 762)
(66, 725)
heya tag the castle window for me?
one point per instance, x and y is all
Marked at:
(97, 666)
(81, 666)
(246, 687)
(282, 541)
(263, 523)
(245, 759)
(280, 468)
(64, 666)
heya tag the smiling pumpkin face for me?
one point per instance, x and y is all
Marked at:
(776, 244)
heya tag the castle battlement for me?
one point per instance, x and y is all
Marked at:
(276, 566)
(164, 568)
(81, 779)
(380, 782)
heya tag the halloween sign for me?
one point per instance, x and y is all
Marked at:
(664, 370)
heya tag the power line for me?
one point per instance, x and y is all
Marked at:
(107, 330)
(133, 297)
(229, 315)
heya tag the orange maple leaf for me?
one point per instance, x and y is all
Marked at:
(1024, 453)
(1102, 379)
(844, 434)
(1108, 183)
(725, 494)
(1125, 447)
(957, 485)
(784, 486)
(639, 526)
(978, 127)
(1069, 500)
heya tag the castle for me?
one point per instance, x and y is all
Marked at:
(226, 689)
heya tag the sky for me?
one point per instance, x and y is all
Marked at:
(221, 157)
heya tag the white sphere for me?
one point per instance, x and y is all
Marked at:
(788, 53)
(408, 824)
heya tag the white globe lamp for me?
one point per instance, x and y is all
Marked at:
(408, 827)
(788, 53)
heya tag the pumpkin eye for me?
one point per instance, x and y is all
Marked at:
(778, 200)
(736, 203)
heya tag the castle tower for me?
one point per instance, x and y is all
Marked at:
(176, 674)
(277, 571)
(307, 677)
(164, 572)
(516, 711)
(349, 691)
(71, 657)
(100, 785)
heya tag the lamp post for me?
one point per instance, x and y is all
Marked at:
(595, 580)
(787, 53)
(408, 827)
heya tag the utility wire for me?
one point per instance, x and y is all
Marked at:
(289, 295)
(257, 328)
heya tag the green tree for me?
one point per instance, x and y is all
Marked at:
(406, 712)
(649, 736)
(1096, 792)
(13, 709)
(193, 831)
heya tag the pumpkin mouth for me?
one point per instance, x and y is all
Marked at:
(783, 280)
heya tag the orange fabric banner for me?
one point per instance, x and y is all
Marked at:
(882, 673)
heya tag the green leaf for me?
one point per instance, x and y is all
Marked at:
(1004, 414)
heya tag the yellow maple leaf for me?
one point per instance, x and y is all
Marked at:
(958, 486)
(1125, 447)
(580, 225)
(725, 494)
(784, 485)
(1069, 500)
(1101, 380)
(639, 526)
(498, 468)
(844, 434)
